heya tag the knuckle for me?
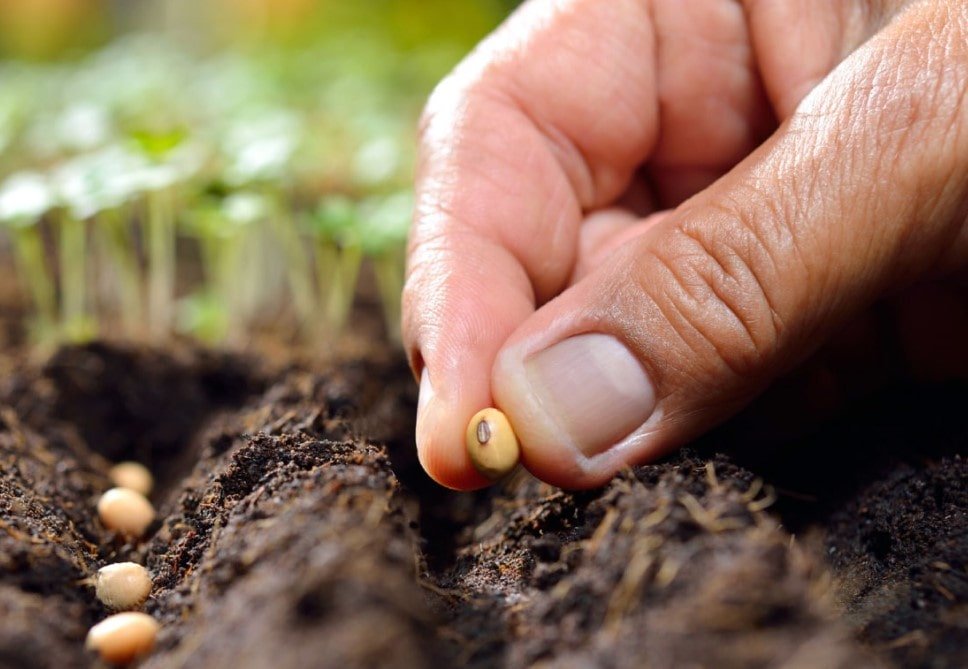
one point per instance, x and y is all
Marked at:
(451, 105)
(887, 134)
(905, 85)
(915, 108)
(427, 282)
(912, 79)
(717, 291)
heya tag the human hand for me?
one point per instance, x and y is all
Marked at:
(632, 216)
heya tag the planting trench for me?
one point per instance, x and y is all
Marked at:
(296, 530)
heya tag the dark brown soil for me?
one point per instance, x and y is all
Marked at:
(296, 530)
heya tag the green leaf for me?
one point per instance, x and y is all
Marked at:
(335, 220)
(385, 221)
(156, 144)
(203, 315)
(24, 198)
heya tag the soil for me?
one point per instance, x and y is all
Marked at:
(295, 529)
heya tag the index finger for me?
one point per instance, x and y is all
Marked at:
(546, 120)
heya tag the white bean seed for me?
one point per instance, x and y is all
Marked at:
(125, 511)
(132, 475)
(123, 637)
(122, 586)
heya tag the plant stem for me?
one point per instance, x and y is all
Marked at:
(297, 262)
(220, 256)
(117, 242)
(389, 269)
(350, 259)
(245, 272)
(337, 270)
(75, 321)
(29, 250)
(161, 264)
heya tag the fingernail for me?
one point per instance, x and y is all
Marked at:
(426, 391)
(424, 398)
(593, 388)
(424, 404)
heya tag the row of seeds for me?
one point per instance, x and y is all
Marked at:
(122, 637)
(124, 586)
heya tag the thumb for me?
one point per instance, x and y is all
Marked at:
(862, 190)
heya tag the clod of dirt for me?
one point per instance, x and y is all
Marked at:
(670, 565)
(902, 549)
(304, 519)
(48, 542)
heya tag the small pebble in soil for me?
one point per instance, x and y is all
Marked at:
(122, 586)
(492, 444)
(125, 511)
(121, 638)
(132, 475)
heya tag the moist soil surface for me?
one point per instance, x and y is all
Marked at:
(295, 529)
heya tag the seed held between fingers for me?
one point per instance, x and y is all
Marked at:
(121, 586)
(125, 511)
(132, 475)
(491, 444)
(121, 638)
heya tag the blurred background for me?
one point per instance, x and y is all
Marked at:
(276, 134)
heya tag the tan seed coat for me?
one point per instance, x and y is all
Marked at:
(132, 475)
(491, 444)
(125, 511)
(123, 637)
(122, 586)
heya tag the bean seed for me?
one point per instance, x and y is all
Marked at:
(125, 511)
(122, 586)
(492, 444)
(132, 475)
(123, 637)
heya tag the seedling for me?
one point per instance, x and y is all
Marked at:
(385, 223)
(491, 444)
(258, 149)
(122, 586)
(161, 262)
(125, 511)
(86, 186)
(228, 232)
(334, 228)
(133, 476)
(295, 256)
(123, 637)
(76, 322)
(168, 161)
(24, 199)
(115, 238)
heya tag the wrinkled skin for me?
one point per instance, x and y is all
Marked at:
(731, 193)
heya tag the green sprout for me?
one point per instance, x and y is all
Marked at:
(83, 126)
(259, 149)
(334, 228)
(115, 235)
(97, 187)
(83, 191)
(227, 232)
(168, 161)
(384, 224)
(24, 199)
